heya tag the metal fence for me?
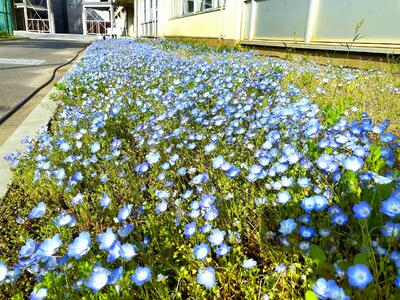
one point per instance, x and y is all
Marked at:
(6, 21)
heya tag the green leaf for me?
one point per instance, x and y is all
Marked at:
(317, 254)
(361, 258)
(310, 295)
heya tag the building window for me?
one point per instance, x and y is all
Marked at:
(185, 7)
(189, 6)
(207, 4)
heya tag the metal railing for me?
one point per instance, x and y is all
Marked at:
(97, 26)
(38, 25)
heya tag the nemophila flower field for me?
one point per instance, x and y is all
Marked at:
(173, 171)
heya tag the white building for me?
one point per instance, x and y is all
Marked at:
(355, 25)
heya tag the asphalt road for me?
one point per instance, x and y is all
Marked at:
(26, 64)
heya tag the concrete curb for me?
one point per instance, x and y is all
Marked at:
(39, 117)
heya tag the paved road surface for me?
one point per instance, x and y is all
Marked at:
(28, 63)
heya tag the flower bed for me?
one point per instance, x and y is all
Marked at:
(179, 171)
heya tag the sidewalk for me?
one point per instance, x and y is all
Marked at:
(56, 36)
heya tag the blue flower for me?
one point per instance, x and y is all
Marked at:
(38, 294)
(38, 211)
(153, 157)
(162, 206)
(283, 197)
(3, 271)
(206, 277)
(391, 206)
(115, 275)
(142, 168)
(124, 212)
(217, 162)
(353, 163)
(391, 230)
(141, 275)
(128, 251)
(249, 263)
(340, 219)
(80, 246)
(125, 230)
(59, 174)
(49, 247)
(222, 249)
(232, 172)
(98, 278)
(217, 237)
(361, 210)
(321, 288)
(287, 226)
(95, 147)
(106, 239)
(306, 232)
(359, 276)
(190, 229)
(28, 249)
(78, 199)
(105, 201)
(201, 251)
(64, 219)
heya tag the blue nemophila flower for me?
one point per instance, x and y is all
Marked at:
(95, 147)
(124, 212)
(206, 277)
(38, 294)
(217, 162)
(391, 206)
(359, 276)
(80, 246)
(353, 163)
(190, 229)
(217, 237)
(49, 247)
(201, 251)
(142, 168)
(106, 239)
(59, 174)
(28, 249)
(280, 268)
(125, 230)
(306, 232)
(3, 271)
(38, 211)
(283, 197)
(362, 210)
(115, 275)
(249, 263)
(128, 251)
(232, 172)
(340, 219)
(287, 226)
(304, 182)
(153, 157)
(201, 178)
(78, 199)
(222, 249)
(162, 206)
(64, 219)
(321, 288)
(141, 275)
(391, 230)
(105, 201)
(98, 278)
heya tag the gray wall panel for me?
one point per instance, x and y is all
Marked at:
(337, 20)
(281, 19)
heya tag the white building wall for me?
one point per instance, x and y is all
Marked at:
(315, 24)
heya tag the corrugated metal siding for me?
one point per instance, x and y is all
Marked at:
(6, 22)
